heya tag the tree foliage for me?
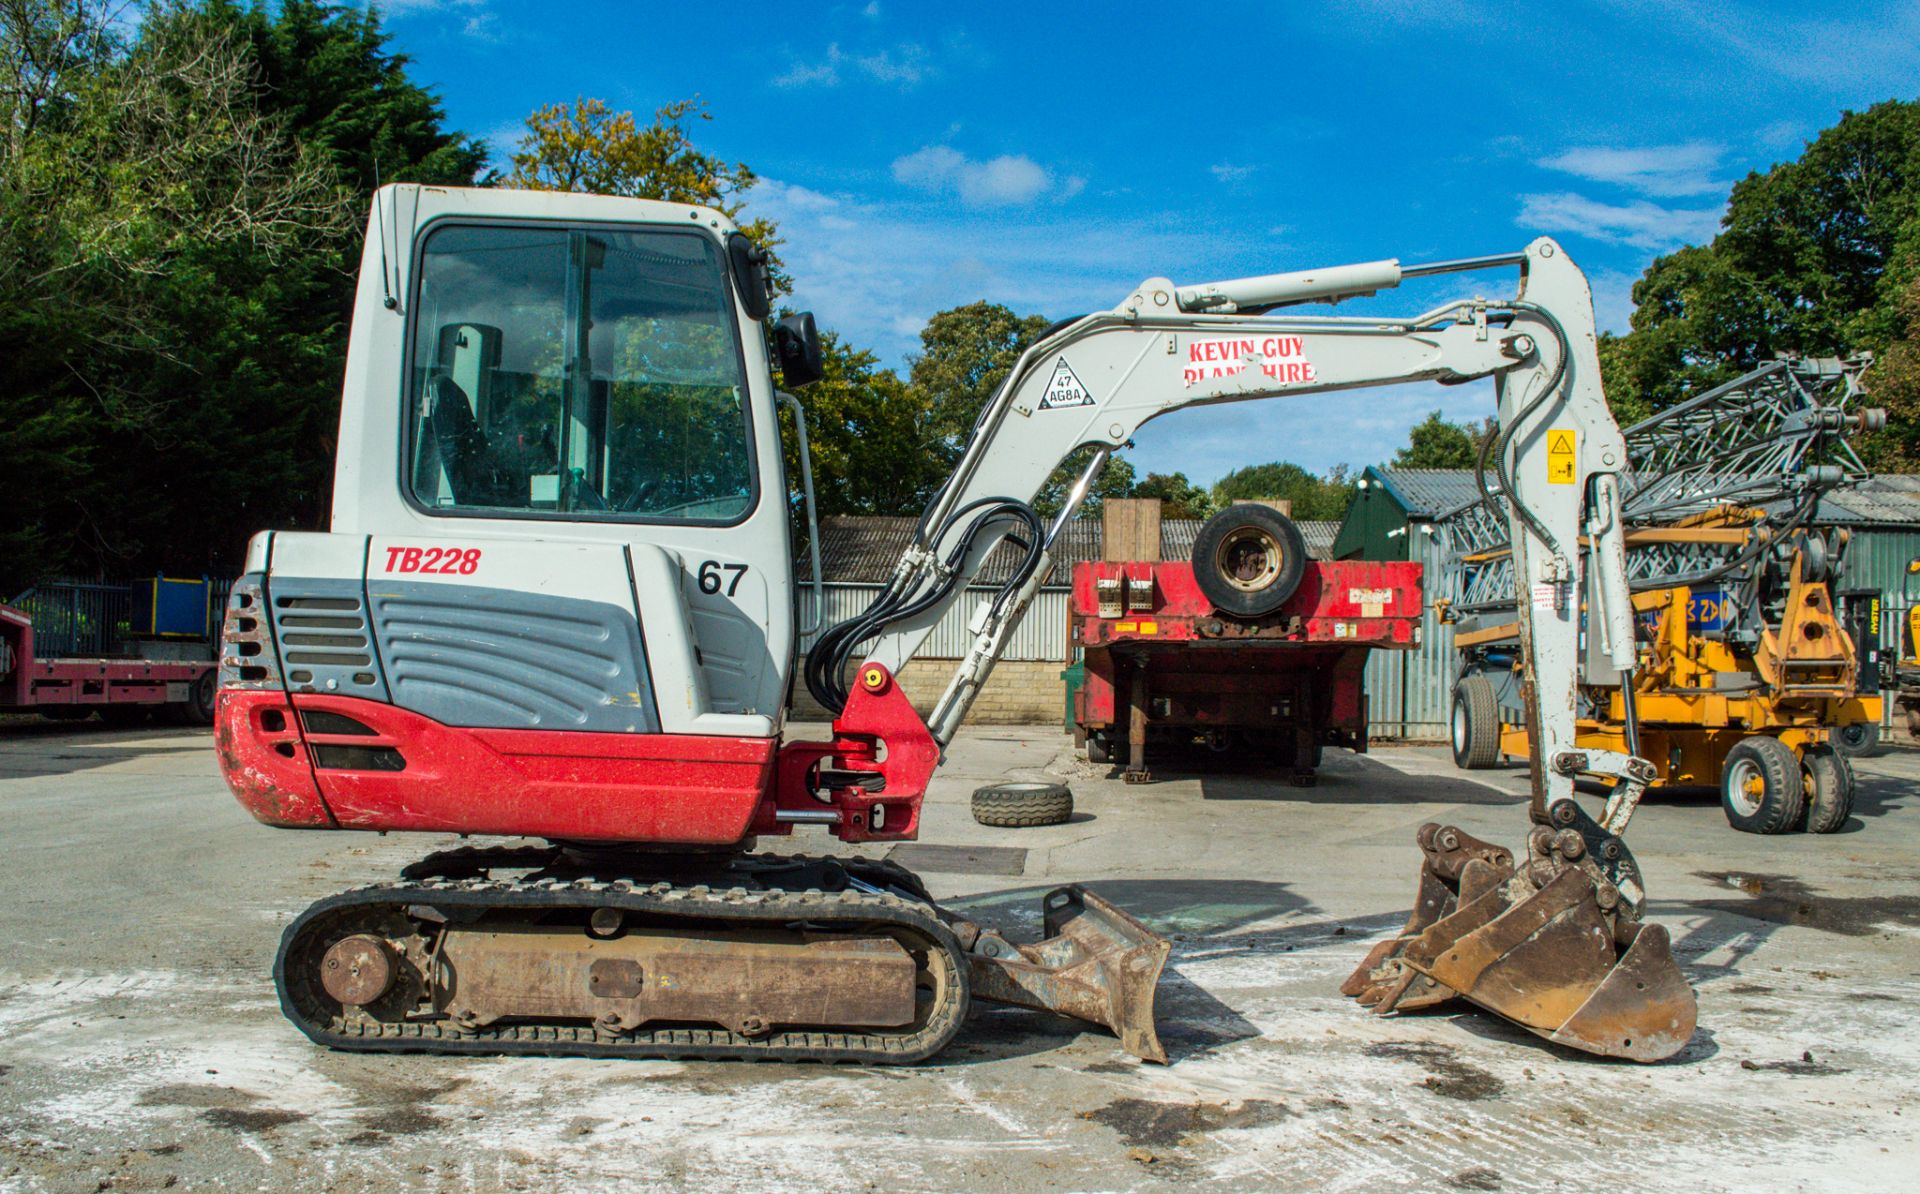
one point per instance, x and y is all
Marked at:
(1436, 443)
(1313, 497)
(1815, 257)
(177, 233)
(1179, 497)
(868, 431)
(965, 353)
(587, 146)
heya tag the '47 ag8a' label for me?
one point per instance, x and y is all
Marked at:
(446, 561)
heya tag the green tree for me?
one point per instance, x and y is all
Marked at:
(965, 354)
(1436, 443)
(1815, 257)
(869, 434)
(587, 146)
(177, 235)
(1179, 497)
(1312, 497)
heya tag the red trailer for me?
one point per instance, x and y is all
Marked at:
(1163, 662)
(161, 675)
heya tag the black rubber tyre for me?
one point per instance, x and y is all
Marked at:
(1249, 559)
(1761, 787)
(197, 709)
(1829, 785)
(1020, 806)
(1099, 747)
(1475, 724)
(1859, 740)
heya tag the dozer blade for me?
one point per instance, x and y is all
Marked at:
(1554, 947)
(1096, 963)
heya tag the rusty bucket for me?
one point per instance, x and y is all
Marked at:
(1096, 963)
(1555, 945)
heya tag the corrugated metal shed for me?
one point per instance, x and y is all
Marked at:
(863, 549)
(858, 555)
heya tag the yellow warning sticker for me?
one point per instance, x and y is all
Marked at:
(1149, 628)
(1560, 456)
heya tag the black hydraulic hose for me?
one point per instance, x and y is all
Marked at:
(834, 648)
(1504, 437)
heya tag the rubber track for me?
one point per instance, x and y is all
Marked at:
(305, 1005)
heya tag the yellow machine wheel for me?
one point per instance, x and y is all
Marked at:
(1761, 787)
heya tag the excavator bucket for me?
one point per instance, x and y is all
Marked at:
(1556, 946)
(1096, 963)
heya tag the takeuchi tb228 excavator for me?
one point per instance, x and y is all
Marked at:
(556, 604)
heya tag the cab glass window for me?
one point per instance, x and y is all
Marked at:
(587, 373)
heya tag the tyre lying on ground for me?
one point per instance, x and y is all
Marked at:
(1022, 805)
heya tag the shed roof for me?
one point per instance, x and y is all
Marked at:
(863, 549)
(1427, 492)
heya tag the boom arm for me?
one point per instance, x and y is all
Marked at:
(1092, 383)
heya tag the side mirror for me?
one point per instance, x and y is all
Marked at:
(796, 342)
(750, 275)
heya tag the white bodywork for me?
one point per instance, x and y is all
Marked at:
(719, 660)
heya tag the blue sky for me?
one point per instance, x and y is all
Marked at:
(919, 157)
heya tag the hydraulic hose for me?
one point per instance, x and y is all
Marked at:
(1499, 442)
(836, 647)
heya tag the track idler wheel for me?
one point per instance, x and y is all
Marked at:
(1555, 945)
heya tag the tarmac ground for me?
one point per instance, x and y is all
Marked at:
(141, 1046)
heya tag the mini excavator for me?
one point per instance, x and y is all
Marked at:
(557, 604)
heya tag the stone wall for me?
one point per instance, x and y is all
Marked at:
(1019, 692)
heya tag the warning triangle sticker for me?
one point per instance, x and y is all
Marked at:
(1065, 389)
(1562, 445)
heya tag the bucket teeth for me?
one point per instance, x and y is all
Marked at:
(1096, 963)
(1551, 946)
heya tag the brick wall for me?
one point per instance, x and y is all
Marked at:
(1019, 692)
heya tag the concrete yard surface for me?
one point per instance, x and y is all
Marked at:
(141, 1045)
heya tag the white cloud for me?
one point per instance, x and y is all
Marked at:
(872, 11)
(405, 8)
(903, 66)
(1641, 224)
(875, 270)
(1660, 170)
(1008, 180)
(1228, 173)
(483, 27)
(825, 72)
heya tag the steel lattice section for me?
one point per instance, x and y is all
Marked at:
(1772, 439)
